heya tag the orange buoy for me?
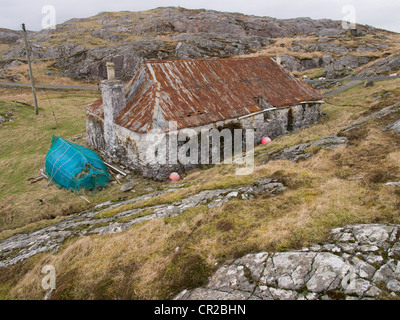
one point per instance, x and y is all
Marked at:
(265, 140)
(174, 176)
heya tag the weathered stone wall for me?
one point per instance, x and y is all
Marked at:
(278, 122)
(305, 114)
(139, 152)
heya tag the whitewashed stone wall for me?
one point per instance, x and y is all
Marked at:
(133, 149)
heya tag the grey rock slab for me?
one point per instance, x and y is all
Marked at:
(348, 247)
(296, 152)
(288, 270)
(358, 286)
(129, 186)
(362, 268)
(373, 292)
(377, 115)
(371, 233)
(382, 66)
(396, 249)
(282, 294)
(393, 285)
(331, 247)
(255, 263)
(204, 294)
(395, 127)
(373, 258)
(387, 272)
(263, 293)
(52, 237)
(329, 271)
(229, 278)
(344, 237)
(368, 83)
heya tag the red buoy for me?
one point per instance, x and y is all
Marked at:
(174, 176)
(265, 140)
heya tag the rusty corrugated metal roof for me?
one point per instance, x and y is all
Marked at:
(196, 92)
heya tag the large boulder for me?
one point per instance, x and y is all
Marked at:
(8, 36)
(357, 262)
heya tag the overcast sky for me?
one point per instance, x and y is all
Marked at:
(378, 13)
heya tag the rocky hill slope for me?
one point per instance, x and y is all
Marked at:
(356, 261)
(225, 234)
(78, 48)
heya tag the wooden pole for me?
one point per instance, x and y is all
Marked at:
(30, 69)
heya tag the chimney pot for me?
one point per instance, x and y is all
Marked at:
(110, 70)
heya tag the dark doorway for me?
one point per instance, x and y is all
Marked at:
(290, 120)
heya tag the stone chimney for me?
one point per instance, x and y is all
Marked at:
(113, 95)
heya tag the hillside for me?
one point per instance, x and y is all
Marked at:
(213, 228)
(78, 48)
(161, 238)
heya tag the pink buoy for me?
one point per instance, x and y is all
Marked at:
(174, 176)
(265, 140)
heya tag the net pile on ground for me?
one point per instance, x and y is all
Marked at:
(75, 167)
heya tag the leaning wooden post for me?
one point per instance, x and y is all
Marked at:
(30, 69)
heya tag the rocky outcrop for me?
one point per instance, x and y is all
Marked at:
(8, 36)
(382, 67)
(305, 151)
(334, 67)
(22, 246)
(184, 34)
(376, 115)
(395, 127)
(344, 66)
(358, 262)
(85, 64)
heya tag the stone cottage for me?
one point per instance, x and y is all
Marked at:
(126, 124)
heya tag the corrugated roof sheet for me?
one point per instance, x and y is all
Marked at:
(196, 92)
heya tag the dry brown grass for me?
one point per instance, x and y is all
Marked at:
(138, 263)
(158, 258)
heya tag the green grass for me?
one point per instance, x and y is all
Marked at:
(24, 144)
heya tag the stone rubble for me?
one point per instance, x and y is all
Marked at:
(305, 151)
(359, 262)
(49, 239)
(128, 186)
